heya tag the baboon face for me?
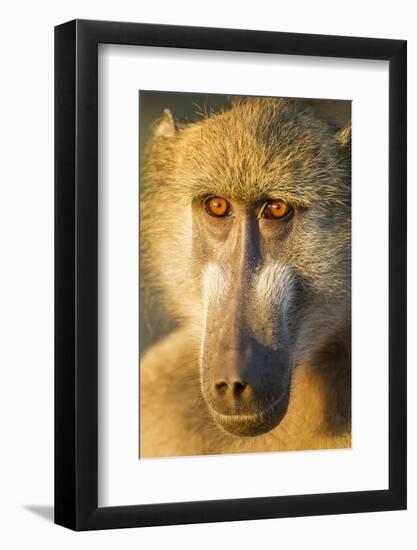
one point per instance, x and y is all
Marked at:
(262, 194)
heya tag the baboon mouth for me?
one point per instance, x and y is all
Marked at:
(250, 425)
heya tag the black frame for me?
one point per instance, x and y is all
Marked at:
(76, 270)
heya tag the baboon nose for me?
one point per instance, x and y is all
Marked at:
(233, 389)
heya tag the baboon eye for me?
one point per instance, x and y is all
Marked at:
(276, 210)
(217, 207)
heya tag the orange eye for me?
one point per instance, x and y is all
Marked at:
(217, 207)
(276, 210)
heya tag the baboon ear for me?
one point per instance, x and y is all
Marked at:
(344, 137)
(167, 127)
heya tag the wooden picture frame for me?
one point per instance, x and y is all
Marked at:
(76, 269)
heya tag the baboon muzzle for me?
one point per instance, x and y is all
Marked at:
(245, 384)
(245, 362)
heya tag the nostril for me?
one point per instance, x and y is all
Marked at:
(239, 387)
(235, 388)
(221, 386)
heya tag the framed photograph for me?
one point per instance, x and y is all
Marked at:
(230, 253)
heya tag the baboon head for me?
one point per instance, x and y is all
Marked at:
(248, 219)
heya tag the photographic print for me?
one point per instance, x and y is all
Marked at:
(203, 261)
(245, 274)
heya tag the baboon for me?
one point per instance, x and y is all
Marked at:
(245, 240)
